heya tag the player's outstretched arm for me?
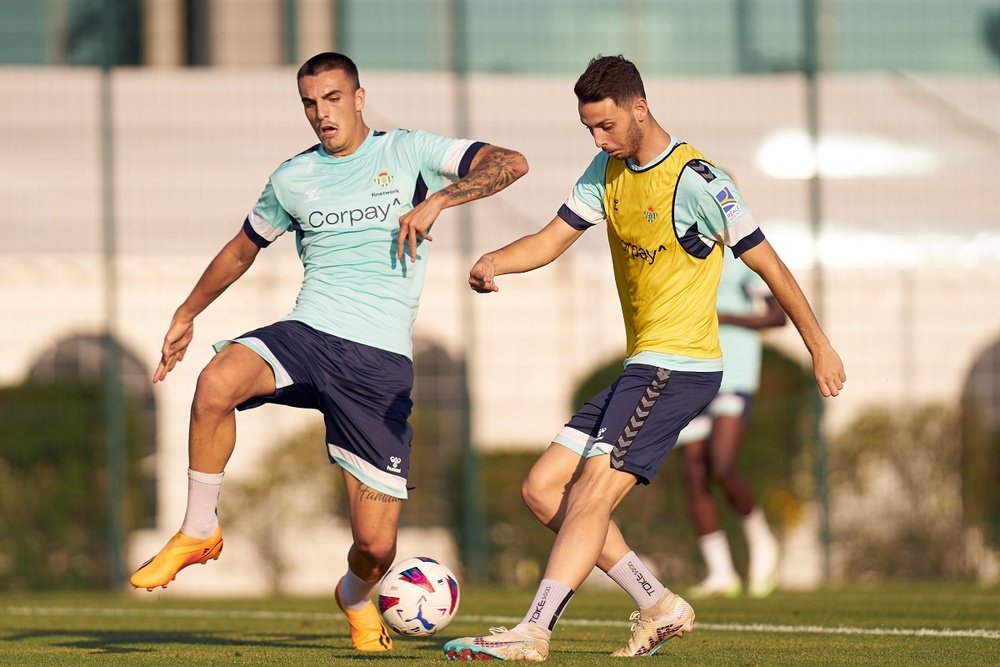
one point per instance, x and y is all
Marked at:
(828, 369)
(525, 254)
(773, 316)
(227, 266)
(493, 168)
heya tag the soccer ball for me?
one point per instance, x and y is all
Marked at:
(418, 597)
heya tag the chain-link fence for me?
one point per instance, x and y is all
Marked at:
(119, 183)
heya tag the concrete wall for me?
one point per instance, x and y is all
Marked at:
(909, 248)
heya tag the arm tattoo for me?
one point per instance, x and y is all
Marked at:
(368, 493)
(492, 174)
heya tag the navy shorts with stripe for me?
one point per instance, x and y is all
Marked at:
(637, 418)
(362, 391)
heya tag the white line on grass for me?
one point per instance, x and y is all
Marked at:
(780, 629)
(322, 616)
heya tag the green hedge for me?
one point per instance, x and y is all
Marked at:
(53, 486)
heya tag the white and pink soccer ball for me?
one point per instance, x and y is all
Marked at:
(418, 597)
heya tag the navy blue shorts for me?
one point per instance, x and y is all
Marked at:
(637, 418)
(362, 391)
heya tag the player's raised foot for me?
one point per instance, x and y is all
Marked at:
(367, 631)
(716, 587)
(182, 550)
(671, 617)
(763, 576)
(527, 643)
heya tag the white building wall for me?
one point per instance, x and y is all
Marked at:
(911, 259)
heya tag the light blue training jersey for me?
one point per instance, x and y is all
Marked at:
(741, 292)
(345, 214)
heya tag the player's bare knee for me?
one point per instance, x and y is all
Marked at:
(530, 493)
(379, 552)
(720, 473)
(213, 394)
(542, 495)
(694, 475)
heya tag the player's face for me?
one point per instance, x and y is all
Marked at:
(333, 106)
(615, 129)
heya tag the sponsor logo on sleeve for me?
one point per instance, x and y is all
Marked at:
(730, 207)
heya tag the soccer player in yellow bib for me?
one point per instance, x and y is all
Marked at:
(668, 213)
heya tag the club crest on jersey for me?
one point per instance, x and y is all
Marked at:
(650, 214)
(383, 178)
(730, 207)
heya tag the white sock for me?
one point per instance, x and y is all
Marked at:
(354, 591)
(638, 581)
(762, 545)
(201, 519)
(550, 600)
(718, 558)
(758, 533)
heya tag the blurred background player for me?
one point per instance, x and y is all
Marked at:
(713, 440)
(359, 203)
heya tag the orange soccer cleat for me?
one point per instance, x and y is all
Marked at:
(181, 551)
(367, 631)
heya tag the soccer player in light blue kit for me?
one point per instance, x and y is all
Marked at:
(360, 204)
(712, 440)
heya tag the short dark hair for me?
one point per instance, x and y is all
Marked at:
(324, 62)
(609, 76)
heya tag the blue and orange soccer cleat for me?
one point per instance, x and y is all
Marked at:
(367, 631)
(525, 643)
(182, 550)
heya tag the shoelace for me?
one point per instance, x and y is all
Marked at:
(636, 619)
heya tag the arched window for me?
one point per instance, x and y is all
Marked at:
(981, 445)
(81, 357)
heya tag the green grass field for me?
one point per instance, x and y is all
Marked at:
(901, 624)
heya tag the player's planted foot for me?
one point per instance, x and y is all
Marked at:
(716, 587)
(527, 643)
(763, 576)
(671, 617)
(367, 631)
(182, 550)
